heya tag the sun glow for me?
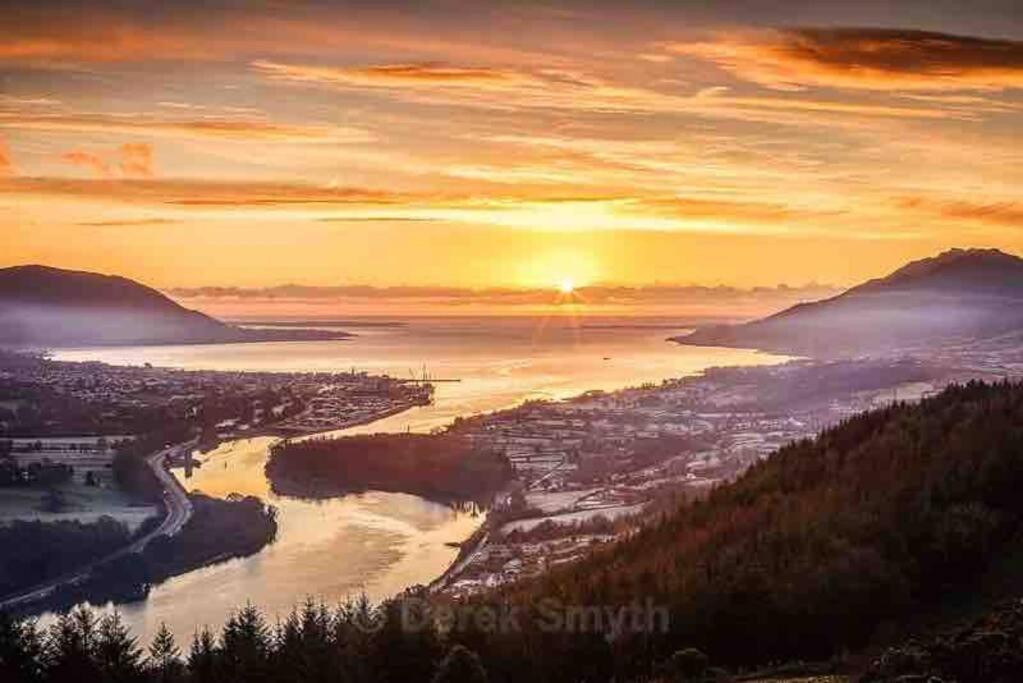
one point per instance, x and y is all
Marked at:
(566, 285)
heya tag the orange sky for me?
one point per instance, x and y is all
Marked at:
(252, 144)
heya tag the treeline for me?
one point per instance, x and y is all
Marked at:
(355, 643)
(35, 552)
(440, 466)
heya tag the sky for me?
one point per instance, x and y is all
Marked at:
(507, 144)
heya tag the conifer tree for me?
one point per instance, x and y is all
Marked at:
(116, 651)
(21, 650)
(202, 657)
(164, 656)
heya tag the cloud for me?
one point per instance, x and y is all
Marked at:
(509, 207)
(194, 192)
(126, 222)
(137, 159)
(568, 90)
(75, 33)
(400, 75)
(1005, 213)
(864, 58)
(199, 128)
(88, 160)
(11, 100)
(130, 160)
(583, 212)
(696, 208)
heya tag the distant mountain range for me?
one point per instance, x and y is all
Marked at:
(50, 307)
(957, 296)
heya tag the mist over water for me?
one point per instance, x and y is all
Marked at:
(377, 542)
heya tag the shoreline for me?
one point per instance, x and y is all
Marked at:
(39, 594)
(298, 433)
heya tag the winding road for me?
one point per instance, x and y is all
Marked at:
(179, 511)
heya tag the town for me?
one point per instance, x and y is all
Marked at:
(63, 424)
(589, 469)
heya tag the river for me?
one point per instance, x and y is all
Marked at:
(376, 542)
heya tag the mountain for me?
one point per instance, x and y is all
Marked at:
(48, 307)
(959, 295)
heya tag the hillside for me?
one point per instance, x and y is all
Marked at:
(827, 546)
(957, 296)
(43, 306)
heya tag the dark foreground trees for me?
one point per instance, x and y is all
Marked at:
(354, 643)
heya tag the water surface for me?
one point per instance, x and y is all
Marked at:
(501, 361)
(380, 543)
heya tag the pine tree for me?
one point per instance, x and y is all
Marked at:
(245, 644)
(164, 656)
(70, 648)
(117, 653)
(202, 657)
(21, 650)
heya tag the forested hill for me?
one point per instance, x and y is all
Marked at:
(47, 307)
(828, 542)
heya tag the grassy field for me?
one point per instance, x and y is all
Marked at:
(84, 503)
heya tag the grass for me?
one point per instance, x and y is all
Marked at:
(83, 503)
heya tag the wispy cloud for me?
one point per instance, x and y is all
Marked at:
(864, 58)
(127, 222)
(227, 129)
(570, 90)
(177, 192)
(1002, 213)
(425, 75)
(130, 160)
(565, 213)
(87, 160)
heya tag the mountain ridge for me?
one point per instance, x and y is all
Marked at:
(44, 306)
(958, 295)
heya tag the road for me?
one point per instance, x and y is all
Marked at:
(175, 499)
(179, 511)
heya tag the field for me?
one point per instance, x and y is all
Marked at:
(80, 502)
(610, 513)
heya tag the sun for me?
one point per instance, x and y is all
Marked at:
(566, 285)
